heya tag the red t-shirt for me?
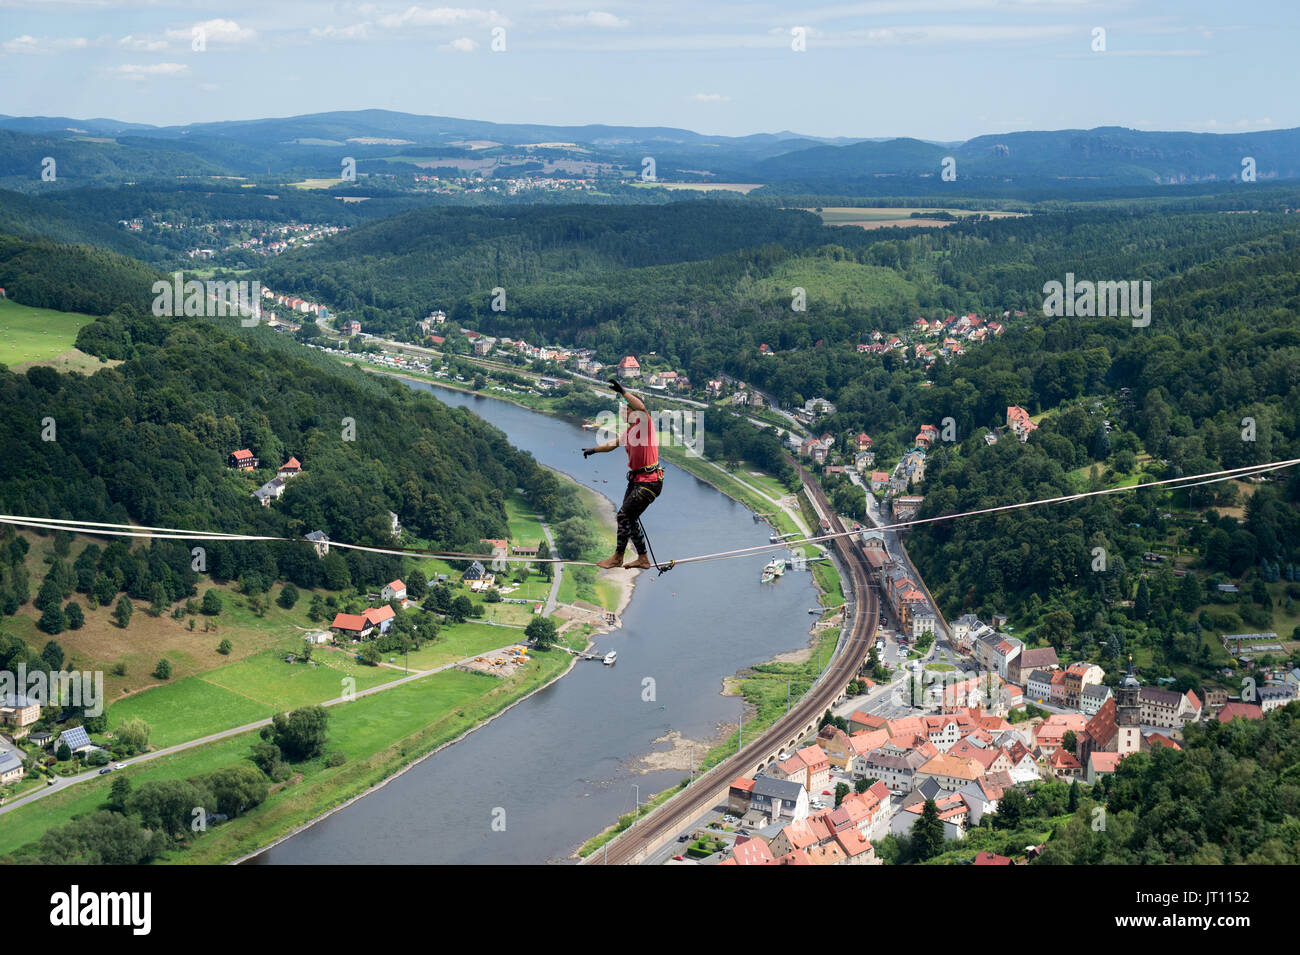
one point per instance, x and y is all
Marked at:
(642, 444)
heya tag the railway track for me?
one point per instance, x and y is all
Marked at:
(634, 844)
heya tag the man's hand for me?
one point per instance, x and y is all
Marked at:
(616, 385)
(588, 452)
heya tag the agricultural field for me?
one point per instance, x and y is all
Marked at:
(883, 218)
(741, 187)
(42, 336)
(525, 528)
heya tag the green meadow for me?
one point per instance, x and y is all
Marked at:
(36, 334)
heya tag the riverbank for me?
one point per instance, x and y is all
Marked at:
(573, 661)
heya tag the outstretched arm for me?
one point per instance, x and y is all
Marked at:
(600, 448)
(633, 402)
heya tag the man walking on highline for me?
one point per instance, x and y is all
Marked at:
(645, 477)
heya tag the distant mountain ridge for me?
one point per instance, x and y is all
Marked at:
(786, 161)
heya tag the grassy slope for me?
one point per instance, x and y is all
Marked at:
(36, 334)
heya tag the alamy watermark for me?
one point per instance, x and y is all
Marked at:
(1088, 299)
(83, 688)
(671, 428)
(211, 298)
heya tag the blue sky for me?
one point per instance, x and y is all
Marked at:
(934, 69)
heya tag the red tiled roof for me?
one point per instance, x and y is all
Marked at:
(752, 852)
(794, 857)
(291, 463)
(379, 614)
(350, 621)
(853, 842)
(1104, 762)
(1101, 729)
(743, 783)
(812, 757)
(799, 834)
(989, 858)
(1063, 760)
(864, 741)
(396, 585)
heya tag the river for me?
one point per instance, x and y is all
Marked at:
(562, 764)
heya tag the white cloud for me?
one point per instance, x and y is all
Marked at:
(443, 17)
(38, 45)
(462, 45)
(148, 44)
(216, 31)
(358, 31)
(140, 72)
(593, 18)
(711, 98)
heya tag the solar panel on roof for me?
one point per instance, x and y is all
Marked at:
(75, 737)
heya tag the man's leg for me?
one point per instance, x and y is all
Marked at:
(626, 527)
(647, 492)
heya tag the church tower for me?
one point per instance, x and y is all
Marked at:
(1128, 713)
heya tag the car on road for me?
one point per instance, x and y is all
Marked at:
(683, 838)
(679, 858)
(106, 769)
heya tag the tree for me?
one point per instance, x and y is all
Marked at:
(122, 613)
(52, 620)
(163, 671)
(96, 724)
(461, 609)
(544, 566)
(99, 838)
(541, 630)
(1057, 628)
(927, 832)
(841, 790)
(1190, 593)
(63, 753)
(301, 734)
(417, 585)
(862, 785)
(157, 599)
(235, 788)
(370, 654)
(211, 603)
(1073, 802)
(1070, 741)
(1142, 602)
(267, 757)
(76, 619)
(224, 647)
(1012, 808)
(168, 804)
(133, 734)
(288, 596)
(574, 537)
(118, 793)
